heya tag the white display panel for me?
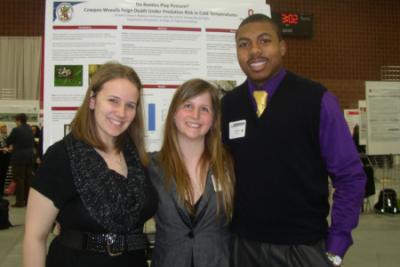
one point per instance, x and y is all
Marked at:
(383, 112)
(166, 42)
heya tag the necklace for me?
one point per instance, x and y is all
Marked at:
(115, 162)
(117, 159)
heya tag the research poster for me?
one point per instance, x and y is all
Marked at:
(383, 112)
(166, 42)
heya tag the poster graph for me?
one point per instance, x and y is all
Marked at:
(151, 117)
(156, 103)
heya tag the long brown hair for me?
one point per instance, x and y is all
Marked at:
(214, 156)
(83, 126)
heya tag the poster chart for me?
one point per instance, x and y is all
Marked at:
(383, 112)
(166, 42)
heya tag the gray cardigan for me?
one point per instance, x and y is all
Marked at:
(178, 239)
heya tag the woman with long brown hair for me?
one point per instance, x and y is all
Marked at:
(94, 182)
(193, 175)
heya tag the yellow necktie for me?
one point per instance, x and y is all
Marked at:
(261, 99)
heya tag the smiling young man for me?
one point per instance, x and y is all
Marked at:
(283, 154)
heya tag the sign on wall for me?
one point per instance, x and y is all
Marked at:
(294, 24)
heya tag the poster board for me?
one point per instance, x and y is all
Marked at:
(383, 112)
(166, 42)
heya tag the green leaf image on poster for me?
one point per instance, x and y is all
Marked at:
(68, 75)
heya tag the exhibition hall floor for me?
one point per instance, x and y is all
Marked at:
(376, 241)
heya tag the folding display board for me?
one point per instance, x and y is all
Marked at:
(383, 113)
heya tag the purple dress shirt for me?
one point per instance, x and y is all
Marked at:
(342, 162)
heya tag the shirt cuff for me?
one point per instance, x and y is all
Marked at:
(337, 244)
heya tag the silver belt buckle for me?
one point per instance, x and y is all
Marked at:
(110, 239)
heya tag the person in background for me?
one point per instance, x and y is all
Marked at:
(22, 156)
(193, 175)
(287, 134)
(38, 138)
(4, 157)
(94, 182)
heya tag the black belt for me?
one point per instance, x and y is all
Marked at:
(113, 244)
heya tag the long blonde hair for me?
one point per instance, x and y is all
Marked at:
(214, 157)
(83, 126)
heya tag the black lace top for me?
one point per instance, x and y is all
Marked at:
(90, 196)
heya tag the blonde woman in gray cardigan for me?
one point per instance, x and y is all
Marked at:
(193, 175)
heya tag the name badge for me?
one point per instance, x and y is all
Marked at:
(237, 129)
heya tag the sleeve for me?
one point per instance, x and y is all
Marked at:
(345, 169)
(53, 178)
(11, 138)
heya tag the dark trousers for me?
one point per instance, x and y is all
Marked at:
(22, 175)
(247, 253)
(4, 162)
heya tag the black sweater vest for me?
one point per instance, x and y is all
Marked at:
(281, 181)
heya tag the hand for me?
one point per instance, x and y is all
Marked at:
(56, 228)
(334, 259)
